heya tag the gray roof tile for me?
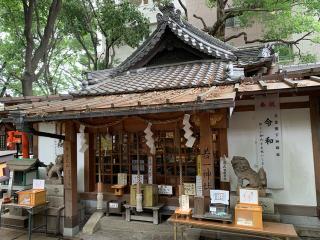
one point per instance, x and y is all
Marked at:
(190, 74)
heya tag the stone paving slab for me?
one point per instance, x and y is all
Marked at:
(14, 234)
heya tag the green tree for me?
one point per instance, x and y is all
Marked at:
(28, 27)
(280, 19)
(103, 23)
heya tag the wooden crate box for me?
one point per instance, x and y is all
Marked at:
(32, 197)
(248, 215)
(149, 193)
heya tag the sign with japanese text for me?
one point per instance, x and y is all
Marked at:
(189, 189)
(150, 170)
(199, 165)
(249, 196)
(165, 189)
(269, 139)
(135, 178)
(122, 178)
(224, 170)
(219, 196)
(199, 191)
(38, 184)
(185, 202)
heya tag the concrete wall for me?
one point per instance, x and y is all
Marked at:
(48, 148)
(299, 179)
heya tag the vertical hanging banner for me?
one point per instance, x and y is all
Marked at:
(269, 139)
(150, 170)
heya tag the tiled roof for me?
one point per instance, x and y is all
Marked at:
(171, 19)
(174, 76)
(120, 80)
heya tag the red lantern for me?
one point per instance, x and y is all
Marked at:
(16, 137)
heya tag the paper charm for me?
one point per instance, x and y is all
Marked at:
(149, 139)
(188, 132)
(83, 143)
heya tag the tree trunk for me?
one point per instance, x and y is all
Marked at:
(221, 14)
(27, 82)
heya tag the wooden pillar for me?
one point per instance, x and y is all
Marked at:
(35, 150)
(71, 221)
(315, 128)
(206, 151)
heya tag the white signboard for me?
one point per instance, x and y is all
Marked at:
(150, 170)
(38, 184)
(185, 202)
(249, 196)
(224, 170)
(165, 189)
(269, 139)
(113, 205)
(199, 192)
(122, 179)
(135, 178)
(219, 196)
(189, 189)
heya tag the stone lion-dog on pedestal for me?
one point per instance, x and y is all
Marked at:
(243, 171)
(55, 170)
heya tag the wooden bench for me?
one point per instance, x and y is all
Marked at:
(270, 229)
(154, 218)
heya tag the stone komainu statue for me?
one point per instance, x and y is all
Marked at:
(55, 169)
(243, 171)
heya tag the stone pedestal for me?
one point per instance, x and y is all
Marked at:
(55, 196)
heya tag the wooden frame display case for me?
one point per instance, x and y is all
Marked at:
(116, 152)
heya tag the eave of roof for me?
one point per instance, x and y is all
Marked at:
(162, 101)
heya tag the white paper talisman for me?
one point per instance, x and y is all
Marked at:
(185, 202)
(249, 196)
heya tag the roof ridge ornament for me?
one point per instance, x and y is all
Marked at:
(168, 11)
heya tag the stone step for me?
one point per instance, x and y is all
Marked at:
(92, 225)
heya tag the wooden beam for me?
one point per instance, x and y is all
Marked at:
(315, 78)
(263, 85)
(315, 130)
(206, 151)
(203, 96)
(290, 82)
(45, 134)
(71, 221)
